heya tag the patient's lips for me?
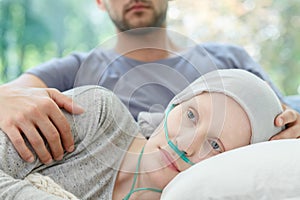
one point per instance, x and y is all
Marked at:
(167, 158)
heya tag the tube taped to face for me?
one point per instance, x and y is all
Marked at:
(180, 153)
(206, 147)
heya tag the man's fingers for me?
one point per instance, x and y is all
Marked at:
(57, 130)
(60, 120)
(65, 102)
(290, 133)
(52, 136)
(37, 142)
(36, 113)
(286, 117)
(20, 145)
(40, 127)
(291, 120)
(64, 129)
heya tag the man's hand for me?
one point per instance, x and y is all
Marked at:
(35, 113)
(291, 119)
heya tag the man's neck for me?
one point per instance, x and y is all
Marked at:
(146, 45)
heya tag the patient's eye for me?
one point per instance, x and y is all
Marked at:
(215, 146)
(191, 115)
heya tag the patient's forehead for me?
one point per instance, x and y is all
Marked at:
(231, 120)
(219, 106)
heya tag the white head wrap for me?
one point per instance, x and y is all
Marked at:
(254, 95)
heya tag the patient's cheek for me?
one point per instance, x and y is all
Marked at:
(174, 124)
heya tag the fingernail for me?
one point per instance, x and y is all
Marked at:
(71, 148)
(78, 108)
(48, 161)
(60, 157)
(280, 121)
(31, 159)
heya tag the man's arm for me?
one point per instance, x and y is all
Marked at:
(28, 108)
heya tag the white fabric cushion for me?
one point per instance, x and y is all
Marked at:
(268, 170)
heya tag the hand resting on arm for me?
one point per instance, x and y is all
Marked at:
(34, 113)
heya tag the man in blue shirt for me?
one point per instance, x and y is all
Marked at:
(146, 65)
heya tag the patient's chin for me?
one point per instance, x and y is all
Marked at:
(161, 178)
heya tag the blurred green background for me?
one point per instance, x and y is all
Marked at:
(34, 31)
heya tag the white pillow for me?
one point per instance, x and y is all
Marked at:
(268, 170)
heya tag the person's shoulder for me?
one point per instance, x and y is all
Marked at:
(216, 48)
(95, 54)
(80, 56)
(227, 55)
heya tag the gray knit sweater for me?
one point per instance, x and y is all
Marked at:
(102, 135)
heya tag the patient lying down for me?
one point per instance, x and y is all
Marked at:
(222, 110)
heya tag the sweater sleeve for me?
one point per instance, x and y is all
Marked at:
(12, 170)
(101, 134)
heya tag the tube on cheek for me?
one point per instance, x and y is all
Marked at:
(180, 153)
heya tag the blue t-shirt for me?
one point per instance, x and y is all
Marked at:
(144, 86)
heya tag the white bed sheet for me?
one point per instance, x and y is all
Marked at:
(268, 170)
